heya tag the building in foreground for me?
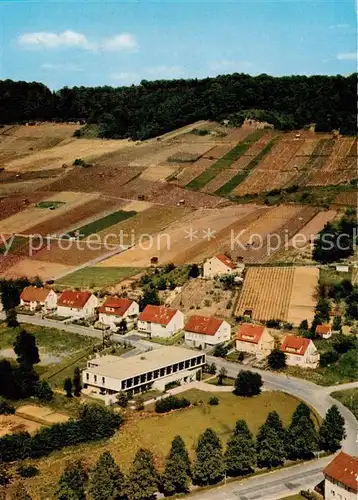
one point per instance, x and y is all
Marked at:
(206, 331)
(160, 321)
(108, 375)
(340, 478)
(254, 339)
(300, 352)
(33, 298)
(114, 310)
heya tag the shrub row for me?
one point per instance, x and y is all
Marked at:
(170, 403)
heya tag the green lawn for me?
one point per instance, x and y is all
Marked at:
(241, 176)
(226, 381)
(101, 224)
(349, 398)
(175, 339)
(96, 277)
(294, 497)
(50, 204)
(224, 162)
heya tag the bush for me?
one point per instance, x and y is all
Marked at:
(170, 403)
(214, 401)
(328, 358)
(27, 471)
(273, 323)
(248, 384)
(43, 390)
(6, 408)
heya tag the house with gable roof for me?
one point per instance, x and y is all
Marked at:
(254, 339)
(33, 298)
(324, 331)
(160, 321)
(300, 352)
(206, 331)
(115, 309)
(221, 264)
(341, 478)
(76, 304)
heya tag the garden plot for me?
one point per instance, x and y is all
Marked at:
(166, 151)
(189, 173)
(42, 414)
(175, 195)
(348, 198)
(11, 205)
(303, 295)
(157, 173)
(15, 267)
(26, 218)
(14, 424)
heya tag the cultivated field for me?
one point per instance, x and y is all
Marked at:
(41, 414)
(284, 293)
(10, 424)
(96, 277)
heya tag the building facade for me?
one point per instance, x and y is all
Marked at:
(300, 352)
(160, 321)
(74, 304)
(324, 331)
(33, 298)
(220, 264)
(254, 339)
(340, 478)
(114, 310)
(206, 331)
(108, 375)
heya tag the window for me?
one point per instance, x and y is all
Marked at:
(103, 380)
(95, 378)
(87, 376)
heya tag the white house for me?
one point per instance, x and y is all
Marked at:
(115, 309)
(159, 321)
(219, 265)
(33, 297)
(300, 352)
(107, 375)
(206, 331)
(340, 478)
(254, 339)
(75, 304)
(324, 331)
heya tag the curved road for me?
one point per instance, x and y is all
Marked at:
(272, 485)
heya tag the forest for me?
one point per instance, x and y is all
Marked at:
(155, 107)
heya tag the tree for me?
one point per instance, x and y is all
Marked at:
(332, 431)
(222, 375)
(107, 480)
(211, 368)
(302, 438)
(220, 350)
(122, 399)
(149, 297)
(276, 359)
(43, 390)
(67, 387)
(194, 271)
(19, 492)
(11, 318)
(337, 324)
(240, 455)
(209, 466)
(27, 353)
(5, 407)
(72, 482)
(248, 383)
(77, 382)
(139, 403)
(323, 309)
(143, 478)
(270, 442)
(176, 475)
(303, 325)
(122, 327)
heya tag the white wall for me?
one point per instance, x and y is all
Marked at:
(113, 320)
(223, 334)
(156, 330)
(214, 267)
(85, 312)
(334, 491)
(305, 361)
(248, 347)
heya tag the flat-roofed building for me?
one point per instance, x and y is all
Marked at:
(108, 375)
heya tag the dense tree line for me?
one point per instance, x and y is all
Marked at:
(274, 444)
(94, 422)
(151, 108)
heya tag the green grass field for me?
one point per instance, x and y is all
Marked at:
(224, 162)
(155, 432)
(349, 398)
(101, 224)
(226, 381)
(96, 277)
(50, 204)
(294, 497)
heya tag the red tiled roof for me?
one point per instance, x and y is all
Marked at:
(295, 345)
(323, 329)
(115, 306)
(250, 333)
(344, 469)
(73, 298)
(206, 325)
(34, 294)
(225, 260)
(157, 314)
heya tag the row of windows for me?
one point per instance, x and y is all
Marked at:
(95, 378)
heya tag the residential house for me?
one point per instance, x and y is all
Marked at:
(206, 331)
(219, 265)
(324, 331)
(340, 478)
(115, 309)
(33, 298)
(160, 321)
(75, 304)
(300, 352)
(254, 339)
(108, 375)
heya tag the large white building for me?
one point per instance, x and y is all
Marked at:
(114, 310)
(206, 331)
(340, 478)
(107, 375)
(159, 321)
(74, 304)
